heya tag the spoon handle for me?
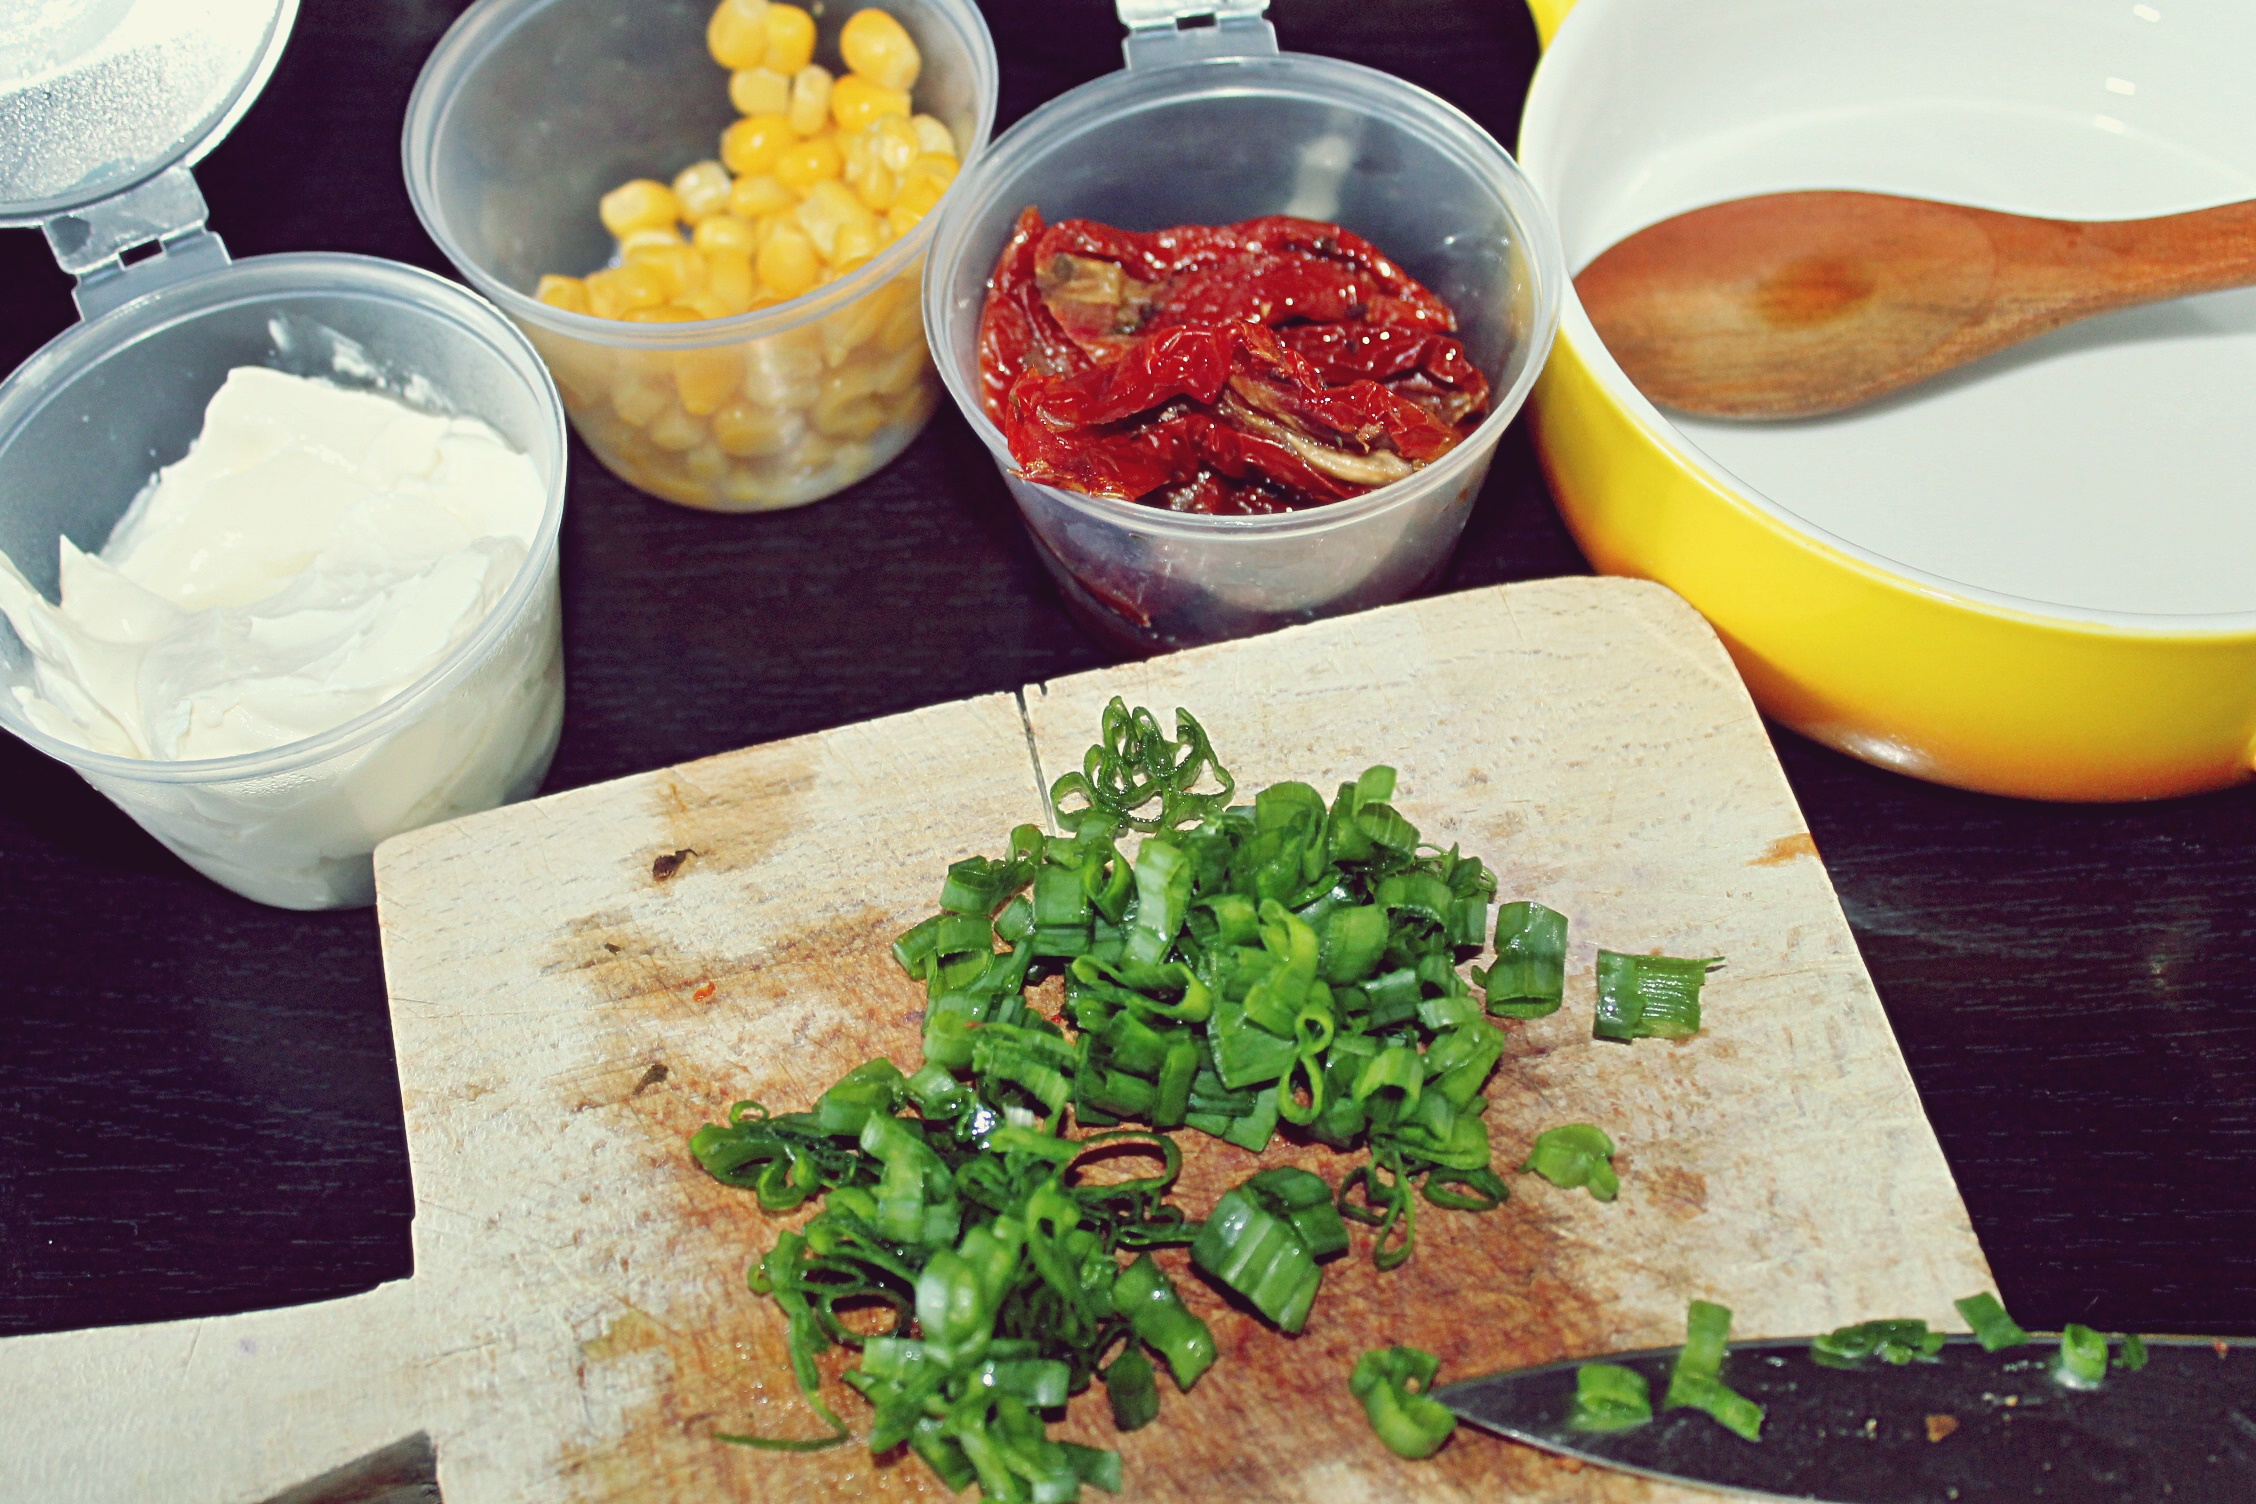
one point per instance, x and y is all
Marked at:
(2176, 255)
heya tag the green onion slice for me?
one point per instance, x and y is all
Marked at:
(1649, 997)
(1992, 1327)
(1696, 1382)
(1529, 977)
(1575, 1154)
(1392, 1383)
(1609, 1397)
(2081, 1362)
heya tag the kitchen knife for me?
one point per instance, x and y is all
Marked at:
(1970, 1426)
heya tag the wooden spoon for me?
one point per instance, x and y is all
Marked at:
(1794, 304)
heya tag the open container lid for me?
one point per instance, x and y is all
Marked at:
(104, 106)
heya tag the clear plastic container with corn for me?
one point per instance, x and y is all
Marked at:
(745, 332)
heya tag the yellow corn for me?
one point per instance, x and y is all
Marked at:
(750, 432)
(649, 235)
(676, 430)
(722, 230)
(813, 161)
(681, 268)
(749, 147)
(856, 243)
(702, 190)
(875, 46)
(933, 135)
(737, 36)
(923, 182)
(759, 91)
(567, 293)
(876, 187)
(810, 100)
(788, 263)
(664, 313)
(830, 207)
(706, 463)
(758, 195)
(640, 204)
(704, 379)
(791, 39)
(855, 101)
(637, 400)
(705, 303)
(894, 142)
(617, 291)
(728, 277)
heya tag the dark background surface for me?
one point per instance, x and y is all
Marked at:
(198, 1109)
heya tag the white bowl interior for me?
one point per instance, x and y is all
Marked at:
(2102, 472)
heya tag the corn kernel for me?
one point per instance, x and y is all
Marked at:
(706, 463)
(904, 325)
(876, 188)
(637, 205)
(856, 244)
(877, 47)
(855, 417)
(749, 147)
(702, 190)
(830, 206)
(728, 278)
(903, 371)
(893, 140)
(664, 313)
(810, 100)
(933, 135)
(855, 102)
(782, 373)
(788, 263)
(704, 379)
(759, 91)
(746, 491)
(722, 230)
(617, 291)
(648, 236)
(810, 162)
(755, 197)
(676, 430)
(749, 432)
(567, 293)
(637, 400)
(900, 219)
(681, 267)
(706, 304)
(737, 36)
(923, 182)
(791, 38)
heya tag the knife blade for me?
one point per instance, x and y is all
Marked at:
(1970, 1426)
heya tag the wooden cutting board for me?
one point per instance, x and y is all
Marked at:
(577, 1325)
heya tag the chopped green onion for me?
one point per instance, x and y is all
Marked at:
(1530, 974)
(1696, 1382)
(1992, 1327)
(1575, 1154)
(1130, 1390)
(1392, 1383)
(2133, 1356)
(2082, 1360)
(1649, 997)
(1897, 1342)
(1144, 1294)
(1609, 1397)
(1260, 1256)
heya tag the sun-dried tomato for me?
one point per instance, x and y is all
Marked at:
(1230, 369)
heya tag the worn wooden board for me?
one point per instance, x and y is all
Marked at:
(576, 1328)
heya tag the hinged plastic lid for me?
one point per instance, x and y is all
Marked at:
(104, 104)
(1164, 32)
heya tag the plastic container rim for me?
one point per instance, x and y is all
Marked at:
(1444, 122)
(31, 388)
(1579, 35)
(487, 27)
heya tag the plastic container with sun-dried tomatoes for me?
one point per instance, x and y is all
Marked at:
(1211, 124)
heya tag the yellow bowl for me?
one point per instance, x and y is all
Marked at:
(2031, 578)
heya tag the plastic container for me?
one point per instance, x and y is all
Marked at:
(93, 414)
(530, 110)
(1212, 125)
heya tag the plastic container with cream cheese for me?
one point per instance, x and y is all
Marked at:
(90, 418)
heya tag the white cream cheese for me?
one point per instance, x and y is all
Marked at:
(317, 551)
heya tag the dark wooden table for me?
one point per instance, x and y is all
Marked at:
(198, 1110)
